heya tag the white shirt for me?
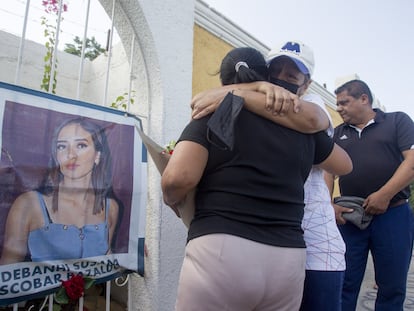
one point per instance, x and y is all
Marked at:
(325, 248)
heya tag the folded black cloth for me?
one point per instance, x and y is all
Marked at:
(222, 121)
(358, 217)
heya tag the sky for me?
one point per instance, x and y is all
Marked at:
(371, 38)
(12, 13)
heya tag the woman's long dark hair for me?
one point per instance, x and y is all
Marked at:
(101, 172)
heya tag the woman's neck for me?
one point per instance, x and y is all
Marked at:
(75, 186)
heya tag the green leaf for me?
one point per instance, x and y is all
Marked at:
(61, 296)
(88, 282)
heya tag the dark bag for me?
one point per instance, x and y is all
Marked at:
(358, 217)
(222, 122)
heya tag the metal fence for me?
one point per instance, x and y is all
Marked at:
(58, 8)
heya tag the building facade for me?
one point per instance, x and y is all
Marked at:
(170, 50)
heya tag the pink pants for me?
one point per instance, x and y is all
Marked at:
(225, 272)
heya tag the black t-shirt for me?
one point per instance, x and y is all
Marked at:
(255, 191)
(376, 153)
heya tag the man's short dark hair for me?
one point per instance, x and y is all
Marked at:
(356, 88)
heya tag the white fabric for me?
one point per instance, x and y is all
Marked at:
(325, 248)
(316, 99)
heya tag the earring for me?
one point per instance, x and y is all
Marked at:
(98, 157)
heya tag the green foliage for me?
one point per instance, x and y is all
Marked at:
(92, 48)
(121, 102)
(49, 33)
(411, 200)
(61, 297)
(169, 148)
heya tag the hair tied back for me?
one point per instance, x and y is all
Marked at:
(239, 64)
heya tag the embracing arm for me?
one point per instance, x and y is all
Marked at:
(309, 119)
(17, 230)
(329, 180)
(338, 163)
(183, 172)
(269, 101)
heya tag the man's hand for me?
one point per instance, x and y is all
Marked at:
(376, 203)
(338, 213)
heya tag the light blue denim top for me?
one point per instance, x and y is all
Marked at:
(59, 241)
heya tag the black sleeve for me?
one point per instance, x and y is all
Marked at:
(405, 131)
(323, 147)
(196, 131)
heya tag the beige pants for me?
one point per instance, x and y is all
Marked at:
(225, 272)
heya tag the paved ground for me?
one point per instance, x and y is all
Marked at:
(368, 293)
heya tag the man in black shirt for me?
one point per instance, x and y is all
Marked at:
(381, 146)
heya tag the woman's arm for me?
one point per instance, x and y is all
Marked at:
(330, 181)
(269, 101)
(183, 172)
(309, 119)
(112, 222)
(17, 229)
(337, 163)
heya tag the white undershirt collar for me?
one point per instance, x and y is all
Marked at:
(359, 130)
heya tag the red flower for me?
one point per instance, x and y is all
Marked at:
(74, 287)
(169, 148)
(53, 6)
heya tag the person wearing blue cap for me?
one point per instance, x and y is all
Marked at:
(291, 66)
(268, 99)
(325, 262)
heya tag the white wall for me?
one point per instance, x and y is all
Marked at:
(162, 70)
(164, 41)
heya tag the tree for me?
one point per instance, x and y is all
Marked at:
(92, 49)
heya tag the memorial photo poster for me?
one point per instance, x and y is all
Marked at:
(73, 192)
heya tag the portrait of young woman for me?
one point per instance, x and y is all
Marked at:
(65, 206)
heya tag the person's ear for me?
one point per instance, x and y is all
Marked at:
(364, 98)
(97, 158)
(307, 83)
(302, 90)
